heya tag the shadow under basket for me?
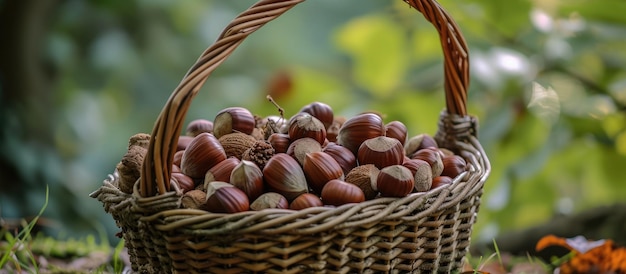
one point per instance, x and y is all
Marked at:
(423, 232)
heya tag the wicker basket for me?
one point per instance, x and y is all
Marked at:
(423, 232)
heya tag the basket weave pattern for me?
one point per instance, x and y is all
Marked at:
(422, 232)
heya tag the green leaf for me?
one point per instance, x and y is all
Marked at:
(378, 47)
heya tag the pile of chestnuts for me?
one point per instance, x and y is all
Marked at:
(239, 161)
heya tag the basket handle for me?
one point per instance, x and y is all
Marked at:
(157, 166)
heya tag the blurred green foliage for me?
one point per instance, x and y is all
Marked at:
(548, 86)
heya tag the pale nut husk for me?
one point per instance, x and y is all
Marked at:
(395, 181)
(364, 176)
(381, 151)
(422, 174)
(233, 119)
(235, 144)
(269, 200)
(319, 168)
(298, 149)
(248, 177)
(359, 128)
(222, 197)
(284, 175)
(204, 152)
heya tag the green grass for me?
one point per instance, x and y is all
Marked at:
(19, 251)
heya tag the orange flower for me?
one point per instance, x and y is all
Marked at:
(589, 256)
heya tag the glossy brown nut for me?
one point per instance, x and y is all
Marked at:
(453, 166)
(198, 126)
(178, 157)
(337, 192)
(359, 128)
(305, 200)
(269, 200)
(184, 182)
(381, 151)
(319, 168)
(279, 141)
(304, 125)
(204, 152)
(441, 181)
(233, 119)
(221, 171)
(396, 130)
(183, 142)
(223, 197)
(321, 111)
(395, 181)
(342, 155)
(248, 177)
(333, 130)
(284, 175)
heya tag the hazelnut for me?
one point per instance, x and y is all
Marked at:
(433, 157)
(198, 126)
(441, 181)
(269, 200)
(221, 171)
(248, 177)
(453, 166)
(184, 182)
(321, 111)
(381, 151)
(337, 192)
(422, 174)
(333, 130)
(279, 141)
(359, 128)
(319, 168)
(183, 142)
(233, 119)
(222, 197)
(395, 181)
(305, 200)
(418, 142)
(203, 153)
(304, 125)
(396, 130)
(284, 175)
(299, 148)
(342, 155)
